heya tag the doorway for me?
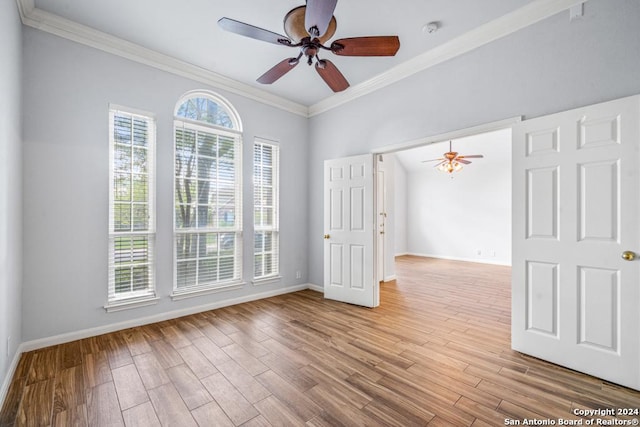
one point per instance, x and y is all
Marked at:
(464, 215)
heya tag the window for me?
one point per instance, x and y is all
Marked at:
(131, 207)
(265, 184)
(207, 195)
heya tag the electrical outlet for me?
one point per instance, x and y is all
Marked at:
(478, 252)
(298, 275)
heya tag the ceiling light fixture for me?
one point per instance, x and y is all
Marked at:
(452, 161)
(450, 166)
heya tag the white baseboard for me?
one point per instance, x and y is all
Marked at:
(86, 333)
(401, 254)
(316, 288)
(390, 278)
(452, 258)
(4, 389)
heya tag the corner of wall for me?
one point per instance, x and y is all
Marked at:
(10, 192)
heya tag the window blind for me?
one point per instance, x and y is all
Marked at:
(266, 219)
(208, 207)
(131, 205)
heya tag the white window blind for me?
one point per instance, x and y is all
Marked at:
(266, 221)
(208, 207)
(131, 205)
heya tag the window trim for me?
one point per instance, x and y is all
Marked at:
(133, 299)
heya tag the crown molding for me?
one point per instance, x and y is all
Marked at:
(24, 8)
(480, 36)
(520, 18)
(62, 27)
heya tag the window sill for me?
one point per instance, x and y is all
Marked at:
(196, 292)
(266, 280)
(131, 303)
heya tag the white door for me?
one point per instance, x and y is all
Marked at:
(575, 300)
(349, 231)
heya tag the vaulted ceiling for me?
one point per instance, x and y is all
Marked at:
(184, 35)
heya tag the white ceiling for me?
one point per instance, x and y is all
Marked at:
(188, 31)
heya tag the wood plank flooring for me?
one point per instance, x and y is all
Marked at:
(435, 352)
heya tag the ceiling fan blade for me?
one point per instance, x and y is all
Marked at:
(433, 160)
(279, 70)
(366, 46)
(250, 31)
(466, 162)
(444, 161)
(318, 14)
(331, 75)
(473, 156)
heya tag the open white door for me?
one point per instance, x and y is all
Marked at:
(576, 212)
(349, 231)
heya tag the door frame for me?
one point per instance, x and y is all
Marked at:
(390, 149)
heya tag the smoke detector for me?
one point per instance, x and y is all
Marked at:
(431, 27)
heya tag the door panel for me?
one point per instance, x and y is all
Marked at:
(349, 231)
(598, 293)
(576, 189)
(543, 203)
(542, 298)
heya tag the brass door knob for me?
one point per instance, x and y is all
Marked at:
(628, 255)
(326, 236)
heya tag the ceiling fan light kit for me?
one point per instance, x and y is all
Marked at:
(452, 161)
(450, 167)
(309, 28)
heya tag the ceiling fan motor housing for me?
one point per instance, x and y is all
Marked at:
(294, 26)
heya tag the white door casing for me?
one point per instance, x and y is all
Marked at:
(349, 224)
(575, 301)
(381, 216)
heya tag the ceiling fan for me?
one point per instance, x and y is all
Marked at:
(452, 161)
(309, 27)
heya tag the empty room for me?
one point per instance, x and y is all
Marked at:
(201, 204)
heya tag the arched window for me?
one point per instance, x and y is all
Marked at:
(207, 194)
(208, 108)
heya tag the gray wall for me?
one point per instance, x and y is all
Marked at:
(10, 184)
(68, 88)
(551, 66)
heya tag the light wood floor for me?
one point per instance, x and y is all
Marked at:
(435, 352)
